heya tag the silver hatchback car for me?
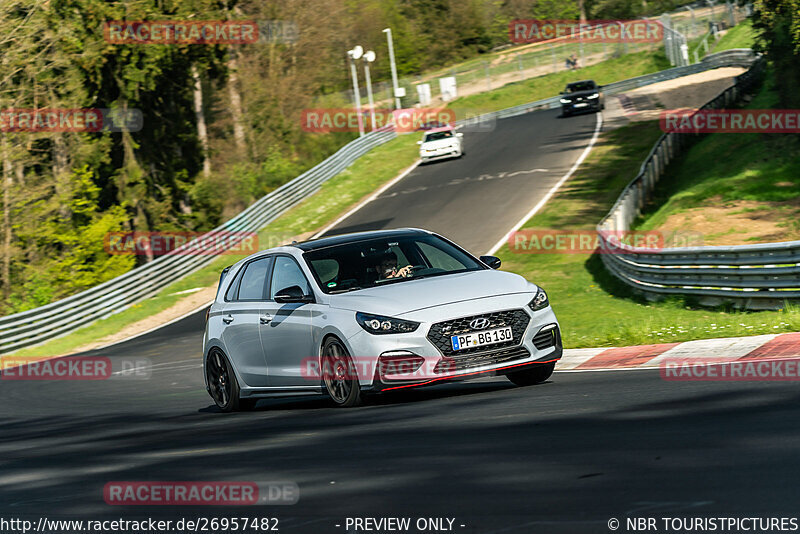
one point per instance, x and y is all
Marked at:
(371, 312)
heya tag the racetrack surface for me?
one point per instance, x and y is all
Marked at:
(476, 199)
(565, 456)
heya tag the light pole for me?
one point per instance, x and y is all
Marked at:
(355, 54)
(369, 57)
(388, 32)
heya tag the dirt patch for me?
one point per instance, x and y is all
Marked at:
(647, 103)
(740, 222)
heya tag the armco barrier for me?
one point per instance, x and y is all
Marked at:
(58, 318)
(755, 276)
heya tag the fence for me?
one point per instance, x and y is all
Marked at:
(759, 276)
(46, 322)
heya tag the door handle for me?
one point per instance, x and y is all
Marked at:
(265, 318)
(228, 319)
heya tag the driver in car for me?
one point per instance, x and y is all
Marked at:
(388, 268)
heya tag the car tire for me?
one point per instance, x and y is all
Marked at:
(223, 386)
(342, 387)
(535, 375)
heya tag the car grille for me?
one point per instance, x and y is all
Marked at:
(546, 338)
(440, 333)
(459, 362)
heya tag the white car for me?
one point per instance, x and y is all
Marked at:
(441, 143)
(372, 312)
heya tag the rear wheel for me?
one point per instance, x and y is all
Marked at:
(339, 374)
(535, 375)
(223, 387)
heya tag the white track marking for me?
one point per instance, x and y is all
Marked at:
(722, 349)
(369, 199)
(553, 190)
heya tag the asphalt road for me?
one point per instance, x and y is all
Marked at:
(565, 456)
(476, 199)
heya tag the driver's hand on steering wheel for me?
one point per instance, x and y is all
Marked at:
(405, 271)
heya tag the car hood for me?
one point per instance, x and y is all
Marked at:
(439, 143)
(399, 298)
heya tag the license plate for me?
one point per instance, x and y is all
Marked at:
(479, 339)
(581, 105)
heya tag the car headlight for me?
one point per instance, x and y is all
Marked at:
(565, 101)
(378, 324)
(539, 301)
(596, 95)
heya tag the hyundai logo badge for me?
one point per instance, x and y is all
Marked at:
(479, 323)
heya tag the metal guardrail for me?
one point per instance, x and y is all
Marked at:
(755, 276)
(64, 316)
(61, 317)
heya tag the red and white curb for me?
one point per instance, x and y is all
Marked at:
(764, 347)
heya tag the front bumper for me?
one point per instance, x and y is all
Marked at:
(539, 343)
(440, 154)
(579, 107)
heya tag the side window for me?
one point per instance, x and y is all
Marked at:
(253, 283)
(287, 273)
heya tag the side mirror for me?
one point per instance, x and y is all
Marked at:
(419, 142)
(459, 134)
(491, 261)
(292, 294)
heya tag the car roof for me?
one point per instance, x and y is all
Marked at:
(324, 242)
(582, 81)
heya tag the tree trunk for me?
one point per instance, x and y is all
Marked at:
(236, 101)
(61, 173)
(582, 9)
(7, 169)
(202, 133)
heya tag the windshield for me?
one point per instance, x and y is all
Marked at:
(375, 262)
(581, 86)
(435, 136)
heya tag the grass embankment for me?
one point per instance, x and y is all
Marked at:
(596, 309)
(734, 188)
(740, 36)
(612, 70)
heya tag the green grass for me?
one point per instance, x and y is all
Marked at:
(612, 70)
(727, 167)
(335, 197)
(740, 36)
(594, 308)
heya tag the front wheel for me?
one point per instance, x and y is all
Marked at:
(535, 375)
(340, 375)
(222, 384)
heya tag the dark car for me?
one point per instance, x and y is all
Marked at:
(581, 96)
